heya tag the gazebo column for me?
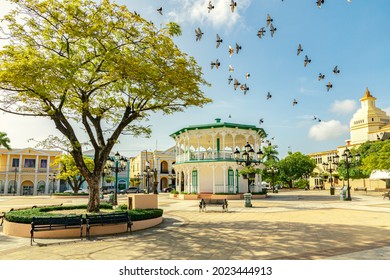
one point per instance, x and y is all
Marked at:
(213, 151)
(198, 135)
(213, 168)
(224, 178)
(223, 145)
(36, 176)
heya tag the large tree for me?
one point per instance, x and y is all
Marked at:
(295, 166)
(97, 65)
(4, 141)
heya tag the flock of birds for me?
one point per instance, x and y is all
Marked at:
(237, 48)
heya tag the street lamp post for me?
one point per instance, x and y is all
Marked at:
(332, 160)
(155, 182)
(116, 165)
(347, 157)
(248, 158)
(147, 174)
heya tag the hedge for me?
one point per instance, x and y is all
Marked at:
(25, 216)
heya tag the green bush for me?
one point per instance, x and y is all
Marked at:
(301, 183)
(25, 216)
(174, 192)
(122, 207)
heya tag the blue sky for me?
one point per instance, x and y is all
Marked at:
(352, 35)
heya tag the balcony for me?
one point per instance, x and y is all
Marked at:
(206, 156)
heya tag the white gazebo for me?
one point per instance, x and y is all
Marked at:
(205, 160)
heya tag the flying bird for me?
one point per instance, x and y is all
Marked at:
(261, 32)
(231, 51)
(231, 69)
(198, 34)
(233, 5)
(299, 49)
(210, 6)
(336, 70)
(328, 86)
(295, 102)
(306, 61)
(230, 116)
(272, 29)
(319, 3)
(230, 79)
(238, 48)
(269, 20)
(247, 75)
(314, 118)
(160, 10)
(321, 76)
(219, 41)
(261, 121)
(216, 64)
(244, 88)
(269, 95)
(236, 84)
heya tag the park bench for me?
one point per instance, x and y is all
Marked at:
(360, 189)
(213, 202)
(107, 219)
(386, 194)
(55, 223)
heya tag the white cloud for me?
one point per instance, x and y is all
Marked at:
(344, 107)
(195, 11)
(327, 130)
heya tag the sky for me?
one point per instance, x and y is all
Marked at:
(352, 35)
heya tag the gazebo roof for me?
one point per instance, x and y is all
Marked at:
(219, 124)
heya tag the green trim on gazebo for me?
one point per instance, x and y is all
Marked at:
(219, 124)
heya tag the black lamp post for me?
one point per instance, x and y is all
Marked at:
(248, 158)
(155, 182)
(347, 157)
(147, 175)
(52, 177)
(116, 165)
(332, 160)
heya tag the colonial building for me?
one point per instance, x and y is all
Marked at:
(369, 123)
(146, 167)
(205, 156)
(28, 172)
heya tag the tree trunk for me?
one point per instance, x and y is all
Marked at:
(94, 194)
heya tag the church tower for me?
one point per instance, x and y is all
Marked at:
(368, 121)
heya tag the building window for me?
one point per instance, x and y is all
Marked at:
(29, 163)
(15, 162)
(43, 163)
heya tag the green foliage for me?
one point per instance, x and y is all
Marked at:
(270, 153)
(174, 192)
(294, 167)
(25, 216)
(122, 207)
(378, 157)
(95, 65)
(249, 170)
(4, 141)
(301, 183)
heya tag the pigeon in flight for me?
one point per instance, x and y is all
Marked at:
(319, 3)
(269, 20)
(236, 84)
(247, 75)
(238, 48)
(160, 10)
(230, 116)
(336, 70)
(231, 51)
(261, 32)
(210, 6)
(231, 69)
(328, 86)
(261, 121)
(314, 118)
(321, 76)
(295, 102)
(219, 41)
(306, 61)
(299, 49)
(233, 5)
(269, 95)
(216, 64)
(230, 79)
(244, 88)
(272, 29)
(198, 34)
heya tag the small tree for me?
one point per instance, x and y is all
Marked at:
(4, 141)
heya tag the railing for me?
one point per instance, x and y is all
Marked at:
(206, 155)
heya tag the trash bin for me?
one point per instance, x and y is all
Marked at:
(332, 190)
(248, 197)
(111, 198)
(343, 193)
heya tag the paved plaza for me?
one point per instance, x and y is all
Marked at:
(290, 225)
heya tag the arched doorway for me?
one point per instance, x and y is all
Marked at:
(41, 187)
(12, 187)
(163, 183)
(27, 188)
(164, 167)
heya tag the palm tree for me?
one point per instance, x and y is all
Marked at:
(4, 141)
(270, 153)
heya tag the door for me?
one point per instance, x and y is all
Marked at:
(194, 181)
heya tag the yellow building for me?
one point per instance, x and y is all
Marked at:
(369, 123)
(27, 172)
(160, 161)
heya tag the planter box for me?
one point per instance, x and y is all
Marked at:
(173, 195)
(188, 196)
